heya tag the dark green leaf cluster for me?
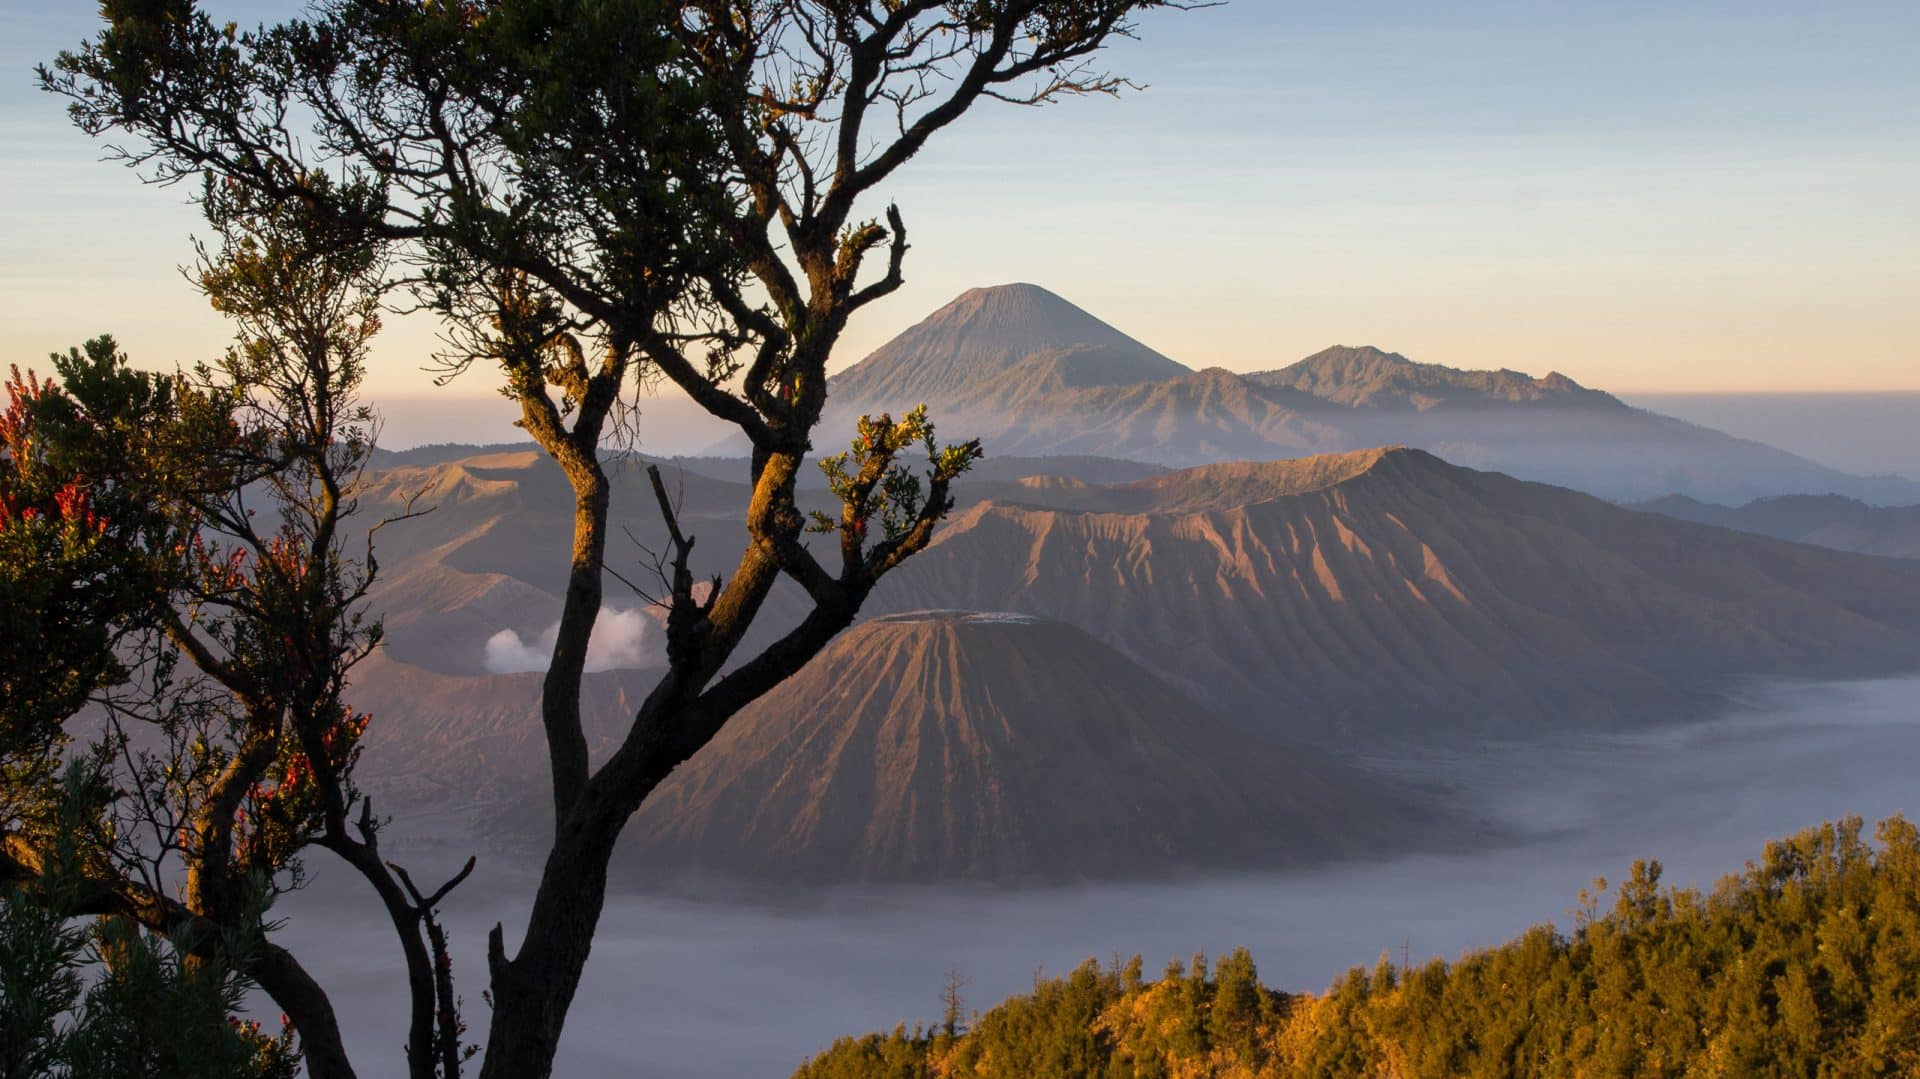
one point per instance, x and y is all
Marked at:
(88, 549)
(871, 482)
(106, 1001)
(105, 998)
(1807, 963)
(173, 551)
(573, 142)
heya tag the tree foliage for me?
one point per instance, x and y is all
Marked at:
(109, 999)
(1806, 963)
(595, 195)
(183, 559)
(88, 459)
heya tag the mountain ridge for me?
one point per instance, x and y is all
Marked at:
(1026, 375)
(1367, 377)
(1834, 521)
(1361, 601)
(1408, 598)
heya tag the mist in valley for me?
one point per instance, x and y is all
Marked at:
(702, 987)
(1866, 433)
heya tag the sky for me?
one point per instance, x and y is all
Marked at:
(1648, 197)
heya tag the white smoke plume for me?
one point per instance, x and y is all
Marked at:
(622, 639)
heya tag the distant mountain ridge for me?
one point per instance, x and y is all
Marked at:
(1218, 639)
(1367, 377)
(1844, 524)
(1380, 591)
(1033, 375)
(1388, 594)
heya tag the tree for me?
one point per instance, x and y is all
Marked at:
(179, 546)
(1804, 963)
(592, 193)
(1234, 1016)
(113, 1000)
(953, 1006)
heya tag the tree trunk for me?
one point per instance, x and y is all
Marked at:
(309, 1010)
(533, 991)
(560, 693)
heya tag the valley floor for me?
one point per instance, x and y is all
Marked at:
(680, 988)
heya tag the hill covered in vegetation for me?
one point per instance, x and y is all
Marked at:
(1806, 963)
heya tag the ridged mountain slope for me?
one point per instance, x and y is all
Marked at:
(1390, 593)
(489, 550)
(950, 746)
(1209, 415)
(473, 745)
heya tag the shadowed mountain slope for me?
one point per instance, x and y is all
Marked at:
(1844, 524)
(1389, 593)
(987, 473)
(473, 744)
(1376, 591)
(1203, 416)
(1243, 631)
(947, 746)
(490, 552)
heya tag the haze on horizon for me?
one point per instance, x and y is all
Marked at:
(1649, 198)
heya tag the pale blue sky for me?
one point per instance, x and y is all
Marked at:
(1648, 197)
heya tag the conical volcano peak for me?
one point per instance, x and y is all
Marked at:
(1024, 317)
(997, 343)
(987, 746)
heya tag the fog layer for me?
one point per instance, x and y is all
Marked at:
(682, 988)
(1868, 433)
